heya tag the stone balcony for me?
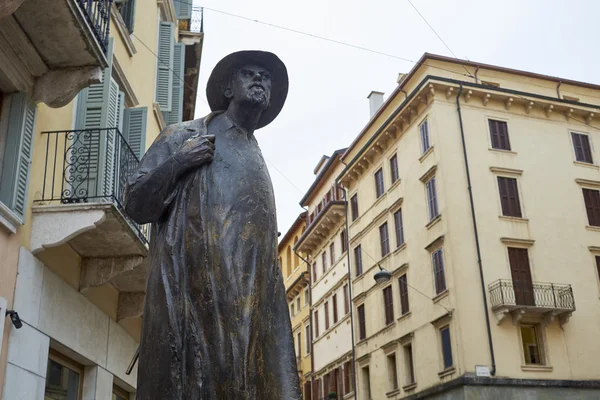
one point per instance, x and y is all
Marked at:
(52, 49)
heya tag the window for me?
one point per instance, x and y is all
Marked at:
(307, 391)
(358, 260)
(164, 73)
(343, 241)
(346, 300)
(392, 372)
(509, 197)
(348, 377)
(298, 304)
(409, 368)
(446, 347)
(316, 389)
(432, 199)
(307, 338)
(399, 228)
(394, 168)
(592, 206)
(299, 341)
(292, 311)
(366, 383)
(354, 207)
(424, 133)
(324, 260)
(326, 385)
(288, 262)
(334, 305)
(532, 344)
(388, 303)
(127, 10)
(384, 239)
(306, 297)
(332, 253)
(379, 186)
(316, 323)
(119, 394)
(314, 267)
(499, 134)
(438, 271)
(598, 265)
(362, 327)
(63, 378)
(402, 281)
(581, 145)
(326, 315)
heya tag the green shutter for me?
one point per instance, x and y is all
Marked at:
(135, 129)
(164, 73)
(183, 9)
(18, 153)
(120, 109)
(128, 14)
(176, 114)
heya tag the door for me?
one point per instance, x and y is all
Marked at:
(521, 276)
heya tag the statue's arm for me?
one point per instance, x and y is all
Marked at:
(153, 186)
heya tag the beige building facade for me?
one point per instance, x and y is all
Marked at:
(74, 280)
(478, 189)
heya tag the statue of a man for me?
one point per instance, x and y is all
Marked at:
(216, 323)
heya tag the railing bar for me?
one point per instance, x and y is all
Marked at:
(62, 182)
(45, 168)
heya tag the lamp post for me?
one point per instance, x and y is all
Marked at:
(382, 276)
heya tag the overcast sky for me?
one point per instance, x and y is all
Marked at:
(327, 107)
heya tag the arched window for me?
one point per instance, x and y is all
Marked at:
(296, 258)
(288, 267)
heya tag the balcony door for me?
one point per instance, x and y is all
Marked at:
(521, 276)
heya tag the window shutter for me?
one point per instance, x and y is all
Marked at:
(120, 109)
(592, 205)
(135, 127)
(183, 9)
(164, 73)
(176, 114)
(19, 147)
(128, 13)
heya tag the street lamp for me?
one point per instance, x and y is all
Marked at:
(382, 276)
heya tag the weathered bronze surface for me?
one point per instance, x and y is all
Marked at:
(216, 322)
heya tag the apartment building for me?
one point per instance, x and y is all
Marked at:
(85, 88)
(477, 188)
(324, 245)
(297, 286)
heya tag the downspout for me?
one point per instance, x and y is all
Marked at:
(558, 89)
(475, 75)
(485, 303)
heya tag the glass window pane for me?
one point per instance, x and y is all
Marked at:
(62, 383)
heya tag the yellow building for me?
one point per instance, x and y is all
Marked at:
(324, 244)
(92, 85)
(478, 189)
(297, 281)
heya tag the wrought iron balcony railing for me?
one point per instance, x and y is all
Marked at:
(97, 14)
(544, 296)
(197, 21)
(89, 166)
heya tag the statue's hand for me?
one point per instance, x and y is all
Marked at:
(196, 151)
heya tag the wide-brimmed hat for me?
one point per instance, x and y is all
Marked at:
(221, 75)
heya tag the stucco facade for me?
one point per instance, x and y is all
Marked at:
(536, 241)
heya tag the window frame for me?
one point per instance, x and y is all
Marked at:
(400, 240)
(70, 364)
(388, 304)
(440, 251)
(334, 308)
(316, 324)
(120, 392)
(508, 212)
(425, 141)
(441, 330)
(332, 253)
(379, 183)
(384, 241)
(394, 172)
(358, 264)
(307, 339)
(343, 241)
(404, 295)
(324, 261)
(326, 313)
(590, 147)
(410, 377)
(541, 344)
(306, 296)
(490, 133)
(433, 207)
(362, 323)
(593, 217)
(392, 376)
(354, 211)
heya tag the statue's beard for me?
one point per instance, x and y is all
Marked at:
(257, 98)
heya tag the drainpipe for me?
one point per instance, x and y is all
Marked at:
(475, 75)
(485, 303)
(558, 89)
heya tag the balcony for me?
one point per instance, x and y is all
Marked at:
(53, 49)
(542, 300)
(80, 203)
(191, 33)
(327, 216)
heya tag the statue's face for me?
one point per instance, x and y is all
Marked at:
(251, 85)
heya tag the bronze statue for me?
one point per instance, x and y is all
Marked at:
(216, 322)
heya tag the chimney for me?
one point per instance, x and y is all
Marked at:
(375, 101)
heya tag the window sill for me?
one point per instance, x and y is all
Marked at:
(160, 120)
(394, 185)
(428, 152)
(379, 199)
(8, 220)
(434, 221)
(513, 219)
(393, 393)
(446, 372)
(593, 228)
(536, 368)
(349, 395)
(404, 316)
(410, 386)
(586, 165)
(441, 296)
(400, 248)
(502, 151)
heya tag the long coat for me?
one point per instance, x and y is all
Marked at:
(216, 323)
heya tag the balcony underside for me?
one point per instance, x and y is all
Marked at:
(519, 312)
(49, 50)
(298, 285)
(329, 220)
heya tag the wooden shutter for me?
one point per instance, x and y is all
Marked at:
(394, 168)
(432, 198)
(314, 268)
(334, 305)
(326, 315)
(176, 114)
(358, 260)
(499, 134)
(324, 260)
(521, 276)
(446, 346)
(18, 154)
(404, 306)
(135, 129)
(384, 239)
(379, 185)
(347, 301)
(424, 131)
(509, 197)
(362, 328)
(581, 145)
(598, 265)
(354, 206)
(332, 253)
(316, 390)
(399, 228)
(388, 301)
(316, 323)
(592, 206)
(307, 338)
(164, 73)
(438, 272)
